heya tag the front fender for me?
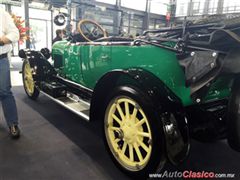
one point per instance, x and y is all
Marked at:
(42, 69)
(166, 103)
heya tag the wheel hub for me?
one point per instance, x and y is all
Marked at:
(129, 133)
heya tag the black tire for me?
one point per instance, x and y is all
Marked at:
(31, 90)
(152, 160)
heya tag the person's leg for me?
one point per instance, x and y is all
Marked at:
(6, 96)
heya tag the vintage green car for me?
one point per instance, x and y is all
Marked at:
(151, 93)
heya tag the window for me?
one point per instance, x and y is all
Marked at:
(104, 17)
(196, 7)
(2, 6)
(151, 24)
(39, 14)
(213, 4)
(40, 27)
(136, 22)
(109, 29)
(126, 19)
(134, 4)
(18, 11)
(159, 23)
(231, 6)
(135, 31)
(107, 1)
(159, 6)
(182, 7)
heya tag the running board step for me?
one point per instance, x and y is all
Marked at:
(79, 107)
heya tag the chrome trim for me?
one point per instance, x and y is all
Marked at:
(69, 95)
(84, 116)
(103, 43)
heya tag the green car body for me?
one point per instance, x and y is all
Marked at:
(86, 64)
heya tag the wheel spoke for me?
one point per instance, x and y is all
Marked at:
(139, 154)
(26, 76)
(120, 112)
(127, 109)
(116, 119)
(139, 123)
(144, 134)
(134, 114)
(117, 140)
(143, 145)
(26, 73)
(114, 128)
(124, 148)
(29, 79)
(131, 152)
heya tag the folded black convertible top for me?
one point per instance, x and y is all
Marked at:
(206, 48)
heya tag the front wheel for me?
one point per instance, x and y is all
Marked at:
(133, 132)
(28, 82)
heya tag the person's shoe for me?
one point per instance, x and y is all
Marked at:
(14, 131)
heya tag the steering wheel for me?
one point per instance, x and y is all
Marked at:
(90, 30)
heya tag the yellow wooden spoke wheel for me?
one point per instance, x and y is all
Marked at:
(133, 131)
(128, 133)
(28, 81)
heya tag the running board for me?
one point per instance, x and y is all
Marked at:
(79, 107)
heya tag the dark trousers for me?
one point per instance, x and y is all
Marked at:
(6, 96)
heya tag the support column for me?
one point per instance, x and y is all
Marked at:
(117, 18)
(206, 7)
(8, 8)
(146, 16)
(172, 10)
(190, 8)
(220, 6)
(52, 18)
(79, 13)
(25, 4)
(68, 27)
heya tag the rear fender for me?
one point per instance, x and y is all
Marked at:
(166, 103)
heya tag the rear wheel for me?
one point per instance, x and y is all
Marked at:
(28, 82)
(133, 133)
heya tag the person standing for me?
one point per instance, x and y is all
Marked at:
(59, 36)
(8, 35)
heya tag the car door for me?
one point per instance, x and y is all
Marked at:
(96, 61)
(72, 63)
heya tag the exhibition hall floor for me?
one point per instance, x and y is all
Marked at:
(57, 144)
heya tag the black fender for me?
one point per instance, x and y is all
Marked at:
(168, 106)
(38, 61)
(233, 121)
